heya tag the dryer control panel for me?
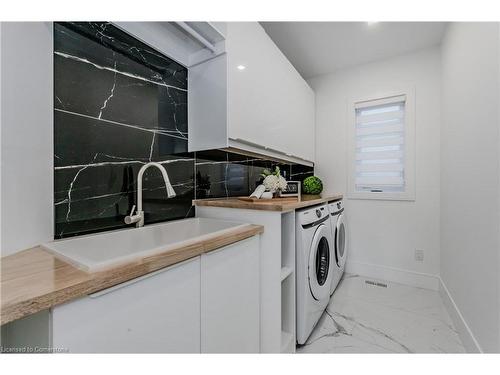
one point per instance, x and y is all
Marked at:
(336, 207)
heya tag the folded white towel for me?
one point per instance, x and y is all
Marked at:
(267, 195)
(258, 192)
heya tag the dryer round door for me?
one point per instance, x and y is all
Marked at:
(340, 241)
(319, 263)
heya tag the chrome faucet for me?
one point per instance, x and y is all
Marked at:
(138, 217)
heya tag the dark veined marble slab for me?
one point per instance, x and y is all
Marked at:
(118, 104)
(222, 174)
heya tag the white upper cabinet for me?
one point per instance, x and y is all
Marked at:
(251, 98)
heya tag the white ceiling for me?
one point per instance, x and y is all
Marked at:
(316, 48)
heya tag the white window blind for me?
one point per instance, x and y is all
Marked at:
(380, 145)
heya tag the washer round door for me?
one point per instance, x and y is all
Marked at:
(340, 241)
(319, 263)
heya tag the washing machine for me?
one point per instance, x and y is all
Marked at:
(339, 233)
(314, 263)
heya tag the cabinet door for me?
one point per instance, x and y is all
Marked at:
(158, 313)
(230, 318)
(303, 145)
(253, 111)
(269, 103)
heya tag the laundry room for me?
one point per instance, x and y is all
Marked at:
(299, 185)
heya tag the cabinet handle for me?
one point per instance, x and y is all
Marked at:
(137, 279)
(250, 143)
(277, 151)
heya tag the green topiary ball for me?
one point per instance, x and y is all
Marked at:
(312, 185)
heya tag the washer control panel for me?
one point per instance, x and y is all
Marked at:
(312, 214)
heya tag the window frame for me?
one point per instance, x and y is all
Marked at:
(409, 142)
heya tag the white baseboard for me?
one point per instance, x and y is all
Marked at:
(468, 340)
(397, 275)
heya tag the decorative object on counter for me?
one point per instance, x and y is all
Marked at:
(292, 189)
(274, 181)
(258, 192)
(267, 195)
(312, 186)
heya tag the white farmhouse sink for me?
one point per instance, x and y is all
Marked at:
(99, 251)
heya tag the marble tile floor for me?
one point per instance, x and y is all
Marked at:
(366, 318)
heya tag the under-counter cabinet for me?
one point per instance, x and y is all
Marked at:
(277, 273)
(230, 299)
(157, 313)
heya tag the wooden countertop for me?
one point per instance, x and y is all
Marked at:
(275, 204)
(34, 280)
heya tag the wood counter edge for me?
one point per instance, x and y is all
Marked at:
(265, 204)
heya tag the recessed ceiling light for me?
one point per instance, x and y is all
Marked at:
(372, 23)
(241, 67)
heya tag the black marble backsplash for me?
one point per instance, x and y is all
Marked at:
(119, 104)
(223, 174)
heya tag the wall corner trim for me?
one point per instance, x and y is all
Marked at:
(468, 340)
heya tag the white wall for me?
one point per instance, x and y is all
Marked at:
(27, 135)
(385, 234)
(470, 177)
(498, 80)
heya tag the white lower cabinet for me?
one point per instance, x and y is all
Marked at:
(230, 307)
(206, 304)
(159, 313)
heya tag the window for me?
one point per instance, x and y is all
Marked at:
(382, 148)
